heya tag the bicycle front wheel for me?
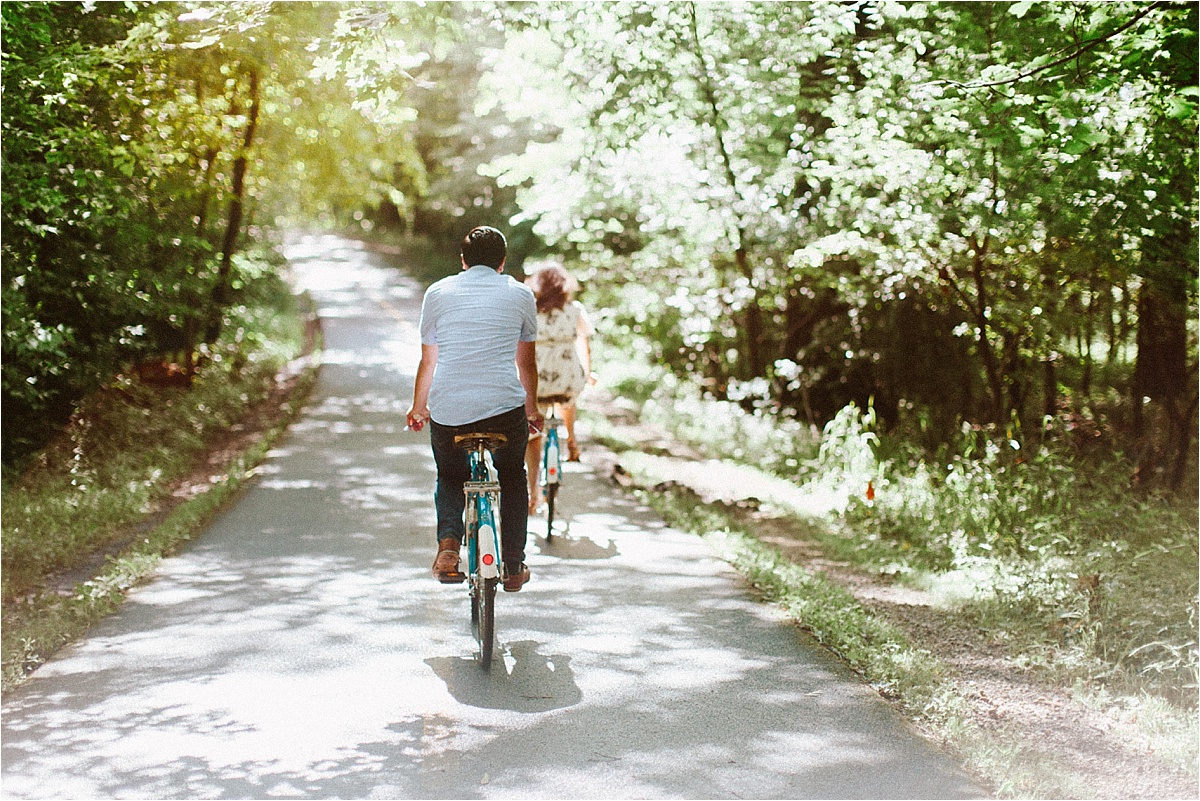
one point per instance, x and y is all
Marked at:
(483, 616)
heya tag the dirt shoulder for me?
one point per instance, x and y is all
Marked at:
(1096, 752)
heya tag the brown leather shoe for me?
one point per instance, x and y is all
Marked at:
(514, 580)
(445, 566)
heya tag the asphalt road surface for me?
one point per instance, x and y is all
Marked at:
(301, 649)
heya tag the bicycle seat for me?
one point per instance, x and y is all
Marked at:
(555, 399)
(490, 441)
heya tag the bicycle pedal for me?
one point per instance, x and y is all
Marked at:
(457, 577)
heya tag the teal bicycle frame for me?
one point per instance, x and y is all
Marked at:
(483, 516)
(482, 522)
(551, 473)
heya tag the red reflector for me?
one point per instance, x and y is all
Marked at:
(488, 559)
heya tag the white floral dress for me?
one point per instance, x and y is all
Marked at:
(560, 371)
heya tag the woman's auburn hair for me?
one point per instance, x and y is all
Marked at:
(552, 287)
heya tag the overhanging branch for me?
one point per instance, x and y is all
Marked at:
(1079, 51)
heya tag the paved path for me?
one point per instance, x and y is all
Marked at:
(300, 649)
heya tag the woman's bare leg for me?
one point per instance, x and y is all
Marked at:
(533, 467)
(568, 413)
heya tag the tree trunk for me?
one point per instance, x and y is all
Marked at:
(1050, 388)
(1161, 368)
(754, 324)
(1160, 375)
(209, 159)
(1085, 344)
(223, 289)
(991, 365)
(753, 319)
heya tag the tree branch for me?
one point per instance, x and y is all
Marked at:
(1079, 51)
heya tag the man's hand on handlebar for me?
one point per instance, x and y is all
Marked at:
(416, 419)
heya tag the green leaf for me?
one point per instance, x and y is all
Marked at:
(201, 43)
(1179, 108)
(1082, 138)
(1019, 10)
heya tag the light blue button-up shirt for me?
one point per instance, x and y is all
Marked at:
(476, 318)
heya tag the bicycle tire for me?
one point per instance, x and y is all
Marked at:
(484, 612)
(551, 494)
(473, 576)
(474, 609)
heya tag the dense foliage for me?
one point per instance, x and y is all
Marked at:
(980, 212)
(142, 142)
(88, 485)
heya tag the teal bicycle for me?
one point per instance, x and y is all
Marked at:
(482, 519)
(551, 472)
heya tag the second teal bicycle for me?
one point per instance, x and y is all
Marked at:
(550, 475)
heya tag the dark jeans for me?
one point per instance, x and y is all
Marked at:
(453, 470)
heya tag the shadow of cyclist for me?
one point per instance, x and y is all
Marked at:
(567, 547)
(521, 679)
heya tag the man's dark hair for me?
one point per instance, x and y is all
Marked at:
(484, 245)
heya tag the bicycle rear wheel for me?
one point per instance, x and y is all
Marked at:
(551, 494)
(483, 618)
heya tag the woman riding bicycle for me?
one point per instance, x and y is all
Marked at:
(564, 357)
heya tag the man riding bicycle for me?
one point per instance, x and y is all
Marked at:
(478, 373)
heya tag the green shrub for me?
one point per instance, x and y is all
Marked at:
(1046, 545)
(720, 429)
(1052, 549)
(89, 483)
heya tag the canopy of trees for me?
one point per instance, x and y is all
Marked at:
(142, 141)
(979, 212)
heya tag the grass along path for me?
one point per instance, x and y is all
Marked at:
(80, 531)
(1015, 727)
